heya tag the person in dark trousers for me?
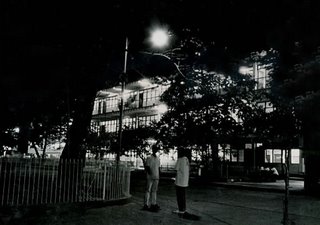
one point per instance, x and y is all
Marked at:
(152, 167)
(181, 183)
(182, 180)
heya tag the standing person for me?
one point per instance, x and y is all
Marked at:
(152, 167)
(182, 180)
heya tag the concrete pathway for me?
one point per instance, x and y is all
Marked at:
(215, 205)
(295, 186)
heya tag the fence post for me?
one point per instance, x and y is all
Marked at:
(104, 181)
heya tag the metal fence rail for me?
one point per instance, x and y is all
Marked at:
(37, 181)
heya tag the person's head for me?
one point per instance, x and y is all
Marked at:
(155, 149)
(181, 152)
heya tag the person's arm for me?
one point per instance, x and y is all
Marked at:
(159, 167)
(188, 164)
(147, 167)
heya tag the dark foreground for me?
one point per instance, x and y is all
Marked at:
(215, 205)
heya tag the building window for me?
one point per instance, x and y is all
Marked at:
(104, 108)
(267, 106)
(295, 156)
(275, 156)
(111, 125)
(99, 107)
(146, 120)
(231, 155)
(112, 102)
(131, 100)
(151, 96)
(261, 78)
(129, 123)
(102, 129)
(241, 155)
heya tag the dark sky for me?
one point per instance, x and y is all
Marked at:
(43, 42)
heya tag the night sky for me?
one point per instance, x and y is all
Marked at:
(48, 47)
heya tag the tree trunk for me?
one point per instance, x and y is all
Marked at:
(23, 138)
(285, 219)
(35, 149)
(79, 129)
(45, 145)
(215, 160)
(311, 150)
(312, 159)
(72, 160)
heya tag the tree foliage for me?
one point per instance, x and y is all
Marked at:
(139, 141)
(208, 107)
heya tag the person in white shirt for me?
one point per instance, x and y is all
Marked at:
(182, 179)
(152, 167)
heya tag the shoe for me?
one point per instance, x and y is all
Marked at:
(154, 208)
(176, 211)
(186, 214)
(189, 216)
(180, 213)
(145, 207)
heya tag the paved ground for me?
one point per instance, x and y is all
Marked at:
(215, 205)
(295, 186)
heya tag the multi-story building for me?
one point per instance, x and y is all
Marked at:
(256, 153)
(142, 105)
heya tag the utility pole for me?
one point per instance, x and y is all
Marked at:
(123, 84)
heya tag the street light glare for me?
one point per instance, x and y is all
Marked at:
(159, 38)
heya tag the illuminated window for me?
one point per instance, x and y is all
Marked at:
(267, 106)
(241, 155)
(277, 156)
(132, 100)
(111, 126)
(231, 155)
(112, 102)
(129, 123)
(151, 96)
(146, 120)
(295, 156)
(261, 78)
(274, 156)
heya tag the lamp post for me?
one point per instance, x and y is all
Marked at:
(159, 38)
(123, 85)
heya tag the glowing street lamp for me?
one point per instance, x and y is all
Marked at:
(159, 38)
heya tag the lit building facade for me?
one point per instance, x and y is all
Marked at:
(256, 154)
(142, 105)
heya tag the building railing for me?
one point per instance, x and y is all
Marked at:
(36, 181)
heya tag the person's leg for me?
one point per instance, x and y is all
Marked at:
(181, 199)
(154, 190)
(147, 193)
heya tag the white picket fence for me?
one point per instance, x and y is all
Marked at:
(36, 181)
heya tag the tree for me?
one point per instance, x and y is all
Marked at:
(73, 55)
(139, 141)
(206, 106)
(296, 85)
